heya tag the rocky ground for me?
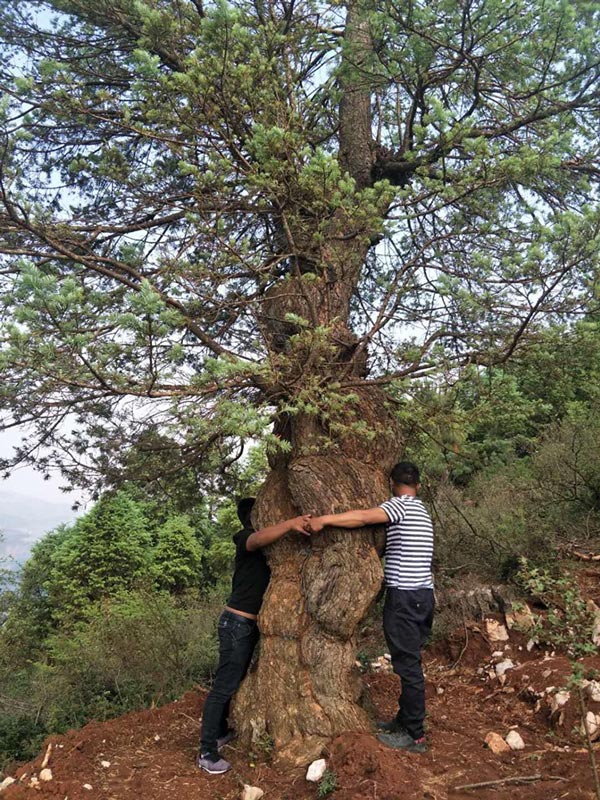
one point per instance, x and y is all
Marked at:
(478, 684)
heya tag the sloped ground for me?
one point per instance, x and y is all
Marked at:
(150, 754)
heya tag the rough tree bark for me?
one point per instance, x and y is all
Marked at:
(305, 688)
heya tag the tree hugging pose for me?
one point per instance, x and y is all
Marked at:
(238, 630)
(409, 601)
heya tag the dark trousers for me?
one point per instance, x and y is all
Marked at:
(237, 639)
(407, 619)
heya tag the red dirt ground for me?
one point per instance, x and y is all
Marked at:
(150, 754)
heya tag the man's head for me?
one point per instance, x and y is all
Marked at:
(405, 475)
(244, 510)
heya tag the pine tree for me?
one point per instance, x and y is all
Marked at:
(248, 219)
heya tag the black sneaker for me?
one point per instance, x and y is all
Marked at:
(390, 726)
(212, 763)
(403, 741)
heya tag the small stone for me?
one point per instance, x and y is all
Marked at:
(251, 792)
(46, 774)
(157, 738)
(496, 743)
(105, 764)
(387, 656)
(88, 787)
(496, 631)
(8, 781)
(593, 691)
(593, 725)
(498, 654)
(440, 690)
(316, 770)
(530, 645)
(504, 666)
(595, 610)
(521, 618)
(558, 700)
(34, 782)
(515, 741)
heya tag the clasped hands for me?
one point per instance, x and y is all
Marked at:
(307, 524)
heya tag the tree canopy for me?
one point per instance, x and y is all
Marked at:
(214, 213)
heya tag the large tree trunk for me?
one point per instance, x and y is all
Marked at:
(306, 689)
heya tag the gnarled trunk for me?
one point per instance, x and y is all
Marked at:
(306, 689)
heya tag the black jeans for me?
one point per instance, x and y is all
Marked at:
(237, 639)
(407, 618)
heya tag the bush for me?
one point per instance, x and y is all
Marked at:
(130, 651)
(486, 530)
(20, 738)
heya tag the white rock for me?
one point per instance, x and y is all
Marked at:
(88, 786)
(593, 725)
(157, 738)
(530, 645)
(591, 606)
(316, 770)
(592, 690)
(514, 740)
(498, 654)
(504, 666)
(105, 764)
(558, 700)
(8, 781)
(34, 782)
(387, 656)
(46, 774)
(251, 792)
(496, 631)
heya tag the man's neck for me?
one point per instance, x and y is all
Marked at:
(402, 489)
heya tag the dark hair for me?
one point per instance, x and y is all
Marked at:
(405, 473)
(244, 510)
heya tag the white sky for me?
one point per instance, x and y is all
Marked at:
(26, 481)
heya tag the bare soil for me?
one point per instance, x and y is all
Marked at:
(150, 754)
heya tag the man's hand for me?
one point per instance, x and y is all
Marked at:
(301, 524)
(314, 525)
(271, 534)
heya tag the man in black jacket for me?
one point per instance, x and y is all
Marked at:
(238, 629)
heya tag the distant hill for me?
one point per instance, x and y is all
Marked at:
(24, 520)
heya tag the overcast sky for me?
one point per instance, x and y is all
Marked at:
(27, 481)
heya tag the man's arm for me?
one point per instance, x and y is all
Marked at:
(271, 534)
(349, 519)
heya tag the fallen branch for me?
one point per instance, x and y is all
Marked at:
(47, 757)
(187, 716)
(516, 779)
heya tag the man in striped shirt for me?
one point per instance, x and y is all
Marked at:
(409, 600)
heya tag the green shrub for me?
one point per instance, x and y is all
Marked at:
(20, 738)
